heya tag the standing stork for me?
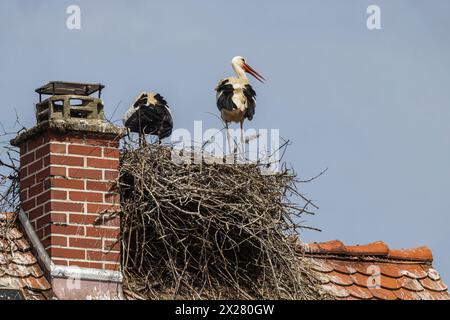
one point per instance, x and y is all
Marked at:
(235, 97)
(149, 114)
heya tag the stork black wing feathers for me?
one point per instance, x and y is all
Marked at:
(150, 118)
(225, 93)
(250, 94)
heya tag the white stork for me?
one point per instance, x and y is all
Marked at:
(235, 97)
(149, 114)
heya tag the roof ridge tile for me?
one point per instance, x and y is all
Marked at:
(376, 248)
(422, 253)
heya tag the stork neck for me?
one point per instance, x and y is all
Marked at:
(240, 72)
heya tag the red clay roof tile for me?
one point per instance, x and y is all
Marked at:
(340, 278)
(433, 285)
(374, 271)
(347, 269)
(336, 290)
(419, 254)
(391, 270)
(359, 292)
(440, 295)
(322, 266)
(18, 266)
(414, 271)
(432, 273)
(333, 246)
(372, 249)
(389, 283)
(384, 294)
(404, 294)
(411, 284)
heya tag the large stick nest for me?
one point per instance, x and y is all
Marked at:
(210, 230)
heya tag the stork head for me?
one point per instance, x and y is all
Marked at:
(239, 64)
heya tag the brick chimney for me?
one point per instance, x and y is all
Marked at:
(68, 164)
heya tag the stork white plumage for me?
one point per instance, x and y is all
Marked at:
(235, 97)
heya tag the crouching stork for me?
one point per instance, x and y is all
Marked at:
(149, 114)
(235, 98)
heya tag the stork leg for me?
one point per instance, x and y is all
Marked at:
(228, 137)
(142, 141)
(242, 139)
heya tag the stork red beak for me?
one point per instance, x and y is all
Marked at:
(252, 71)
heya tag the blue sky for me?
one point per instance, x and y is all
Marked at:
(371, 106)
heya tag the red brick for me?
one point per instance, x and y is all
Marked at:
(43, 174)
(51, 195)
(85, 173)
(46, 161)
(82, 218)
(112, 267)
(43, 221)
(102, 163)
(59, 262)
(43, 151)
(58, 195)
(67, 253)
(85, 150)
(111, 153)
(111, 175)
(67, 160)
(65, 230)
(86, 264)
(66, 137)
(98, 141)
(103, 256)
(67, 183)
(27, 158)
(54, 241)
(86, 196)
(35, 166)
(112, 245)
(27, 182)
(23, 195)
(104, 220)
(23, 172)
(112, 198)
(100, 208)
(36, 189)
(35, 143)
(58, 217)
(57, 148)
(85, 243)
(99, 186)
(66, 206)
(28, 205)
(57, 171)
(102, 232)
(23, 148)
(35, 213)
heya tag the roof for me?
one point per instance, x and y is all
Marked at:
(365, 272)
(374, 271)
(19, 268)
(75, 88)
